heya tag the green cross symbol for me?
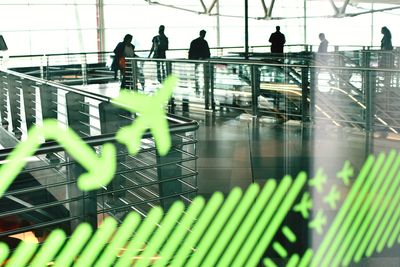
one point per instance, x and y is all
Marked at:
(346, 172)
(319, 222)
(333, 197)
(319, 180)
(304, 206)
(151, 115)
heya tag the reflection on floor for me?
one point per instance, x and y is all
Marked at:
(235, 149)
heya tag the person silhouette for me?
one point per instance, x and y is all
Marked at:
(323, 46)
(159, 46)
(277, 40)
(123, 50)
(199, 48)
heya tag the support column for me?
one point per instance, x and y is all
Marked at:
(246, 29)
(100, 26)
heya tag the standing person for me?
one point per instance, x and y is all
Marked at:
(159, 46)
(199, 49)
(277, 40)
(123, 50)
(323, 46)
(386, 59)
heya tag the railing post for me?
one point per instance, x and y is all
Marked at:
(47, 67)
(134, 74)
(3, 101)
(255, 89)
(206, 71)
(212, 85)
(369, 78)
(84, 70)
(313, 88)
(305, 110)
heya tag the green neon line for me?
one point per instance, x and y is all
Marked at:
(294, 260)
(96, 244)
(357, 206)
(146, 229)
(180, 232)
(199, 228)
(389, 228)
(22, 255)
(376, 227)
(233, 223)
(123, 234)
(305, 261)
(4, 251)
(237, 241)
(367, 211)
(77, 241)
(214, 229)
(49, 249)
(158, 239)
(387, 219)
(269, 263)
(287, 232)
(282, 252)
(396, 231)
(347, 205)
(268, 213)
(280, 215)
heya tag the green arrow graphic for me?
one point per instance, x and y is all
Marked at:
(100, 169)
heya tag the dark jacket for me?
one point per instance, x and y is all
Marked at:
(160, 45)
(277, 40)
(199, 49)
(119, 53)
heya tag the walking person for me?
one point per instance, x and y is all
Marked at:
(123, 50)
(158, 49)
(198, 50)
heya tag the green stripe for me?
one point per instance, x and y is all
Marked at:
(269, 212)
(146, 229)
(396, 231)
(79, 238)
(180, 232)
(4, 251)
(396, 206)
(215, 227)
(377, 227)
(294, 260)
(269, 233)
(347, 205)
(289, 234)
(305, 261)
(22, 255)
(123, 234)
(247, 225)
(282, 252)
(384, 225)
(198, 230)
(233, 223)
(169, 221)
(368, 211)
(269, 263)
(96, 244)
(356, 209)
(49, 249)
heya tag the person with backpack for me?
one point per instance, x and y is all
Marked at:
(158, 48)
(123, 50)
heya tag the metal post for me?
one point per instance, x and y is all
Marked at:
(206, 71)
(246, 29)
(313, 87)
(305, 111)
(84, 70)
(134, 75)
(255, 89)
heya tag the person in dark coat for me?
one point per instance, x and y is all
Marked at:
(199, 47)
(122, 50)
(277, 40)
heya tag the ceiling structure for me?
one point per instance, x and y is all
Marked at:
(339, 8)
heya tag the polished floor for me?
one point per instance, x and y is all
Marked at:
(234, 150)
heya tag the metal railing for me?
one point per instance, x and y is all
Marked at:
(320, 88)
(45, 196)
